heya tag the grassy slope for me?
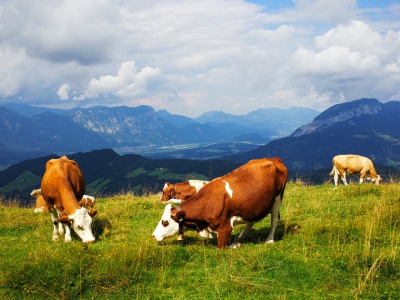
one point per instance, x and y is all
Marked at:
(332, 244)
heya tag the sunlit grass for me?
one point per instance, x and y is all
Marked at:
(332, 243)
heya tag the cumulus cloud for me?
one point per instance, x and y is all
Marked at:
(127, 83)
(63, 91)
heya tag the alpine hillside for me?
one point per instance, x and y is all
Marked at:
(366, 127)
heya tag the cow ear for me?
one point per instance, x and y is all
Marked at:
(180, 215)
(93, 212)
(64, 219)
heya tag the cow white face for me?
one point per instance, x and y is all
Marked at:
(81, 223)
(167, 226)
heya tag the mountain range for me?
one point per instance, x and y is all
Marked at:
(366, 127)
(29, 132)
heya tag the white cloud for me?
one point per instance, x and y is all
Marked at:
(63, 91)
(127, 83)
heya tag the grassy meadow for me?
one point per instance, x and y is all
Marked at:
(332, 243)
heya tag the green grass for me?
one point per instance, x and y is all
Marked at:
(331, 244)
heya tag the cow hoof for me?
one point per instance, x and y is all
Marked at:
(269, 242)
(180, 237)
(236, 245)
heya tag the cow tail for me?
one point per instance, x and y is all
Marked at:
(334, 170)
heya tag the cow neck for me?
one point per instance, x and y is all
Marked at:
(173, 191)
(69, 202)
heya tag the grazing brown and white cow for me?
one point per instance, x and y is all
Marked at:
(179, 192)
(351, 164)
(62, 185)
(245, 195)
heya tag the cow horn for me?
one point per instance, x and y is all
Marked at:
(92, 212)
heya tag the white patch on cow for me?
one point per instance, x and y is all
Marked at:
(167, 227)
(163, 190)
(236, 220)
(207, 233)
(82, 225)
(174, 201)
(198, 184)
(228, 189)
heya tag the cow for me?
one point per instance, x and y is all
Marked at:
(40, 204)
(182, 191)
(62, 184)
(351, 164)
(245, 195)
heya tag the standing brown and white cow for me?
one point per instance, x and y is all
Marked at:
(62, 185)
(245, 195)
(182, 191)
(351, 164)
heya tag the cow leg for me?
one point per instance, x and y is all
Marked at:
(344, 178)
(336, 177)
(363, 172)
(223, 233)
(245, 231)
(56, 225)
(274, 219)
(67, 233)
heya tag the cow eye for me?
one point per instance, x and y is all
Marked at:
(164, 223)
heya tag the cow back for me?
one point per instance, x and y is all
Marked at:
(62, 180)
(249, 192)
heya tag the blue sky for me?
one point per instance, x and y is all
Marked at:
(190, 57)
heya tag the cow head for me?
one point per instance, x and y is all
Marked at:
(168, 225)
(81, 223)
(167, 192)
(377, 180)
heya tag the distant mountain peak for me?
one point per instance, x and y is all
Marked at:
(341, 113)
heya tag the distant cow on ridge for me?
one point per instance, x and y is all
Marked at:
(351, 164)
